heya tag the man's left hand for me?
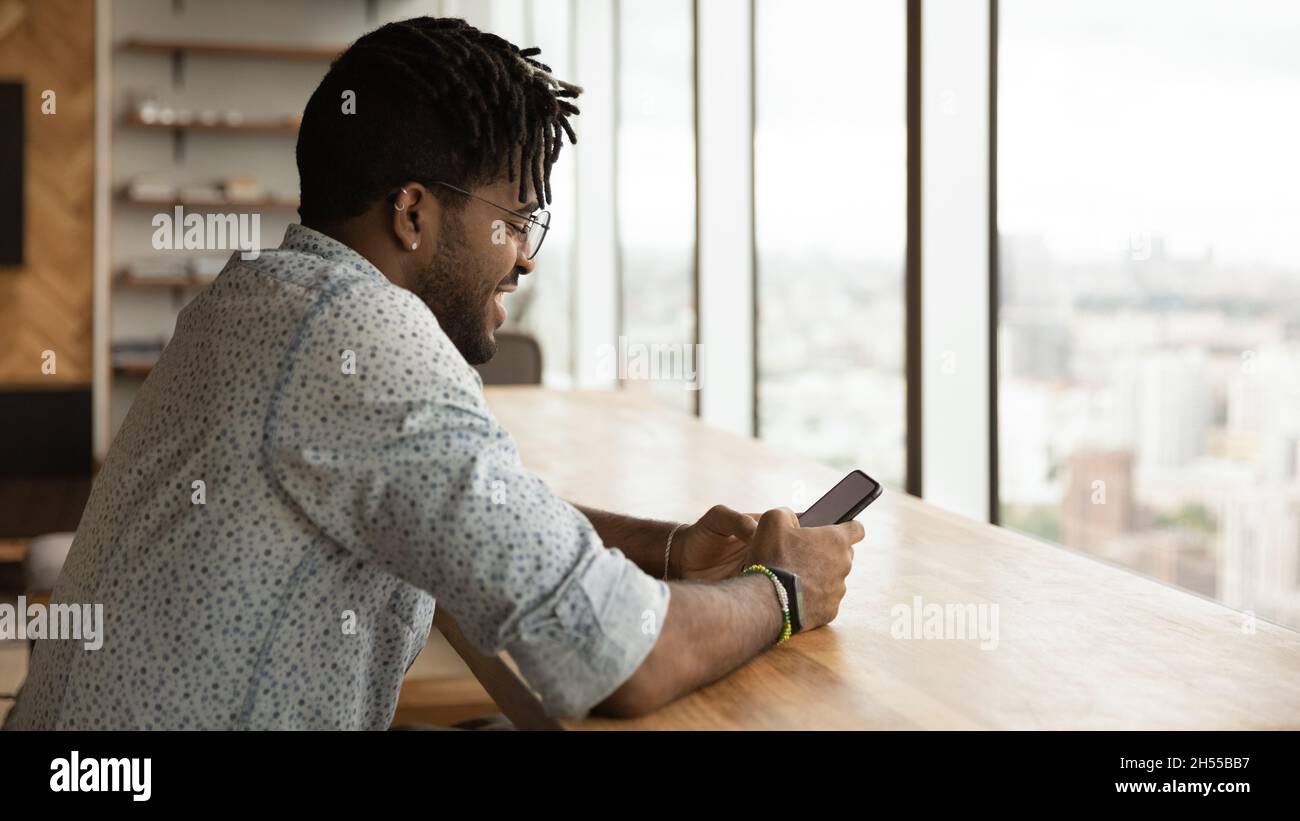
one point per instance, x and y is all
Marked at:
(714, 548)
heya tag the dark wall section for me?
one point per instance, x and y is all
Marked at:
(11, 173)
(45, 432)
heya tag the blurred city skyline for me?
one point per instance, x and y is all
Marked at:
(1149, 324)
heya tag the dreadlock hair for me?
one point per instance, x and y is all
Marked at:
(436, 100)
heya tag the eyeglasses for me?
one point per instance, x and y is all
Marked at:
(533, 235)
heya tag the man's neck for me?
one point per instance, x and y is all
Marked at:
(368, 243)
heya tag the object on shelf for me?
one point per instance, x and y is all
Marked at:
(206, 193)
(136, 354)
(148, 187)
(243, 189)
(181, 121)
(239, 193)
(147, 108)
(172, 272)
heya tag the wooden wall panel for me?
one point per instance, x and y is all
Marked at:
(46, 304)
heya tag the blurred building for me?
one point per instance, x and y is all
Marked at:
(1098, 506)
(1259, 562)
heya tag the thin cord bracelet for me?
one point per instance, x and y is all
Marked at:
(781, 596)
(668, 549)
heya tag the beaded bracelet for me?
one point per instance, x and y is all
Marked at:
(669, 547)
(781, 596)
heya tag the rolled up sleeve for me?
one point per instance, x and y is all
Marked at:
(602, 626)
(412, 473)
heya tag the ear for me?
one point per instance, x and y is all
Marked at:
(416, 218)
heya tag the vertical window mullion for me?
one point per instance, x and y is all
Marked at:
(726, 200)
(954, 237)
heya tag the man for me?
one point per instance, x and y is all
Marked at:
(311, 464)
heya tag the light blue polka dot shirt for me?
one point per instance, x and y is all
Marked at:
(308, 467)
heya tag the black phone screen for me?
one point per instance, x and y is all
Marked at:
(842, 502)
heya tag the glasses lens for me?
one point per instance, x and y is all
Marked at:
(537, 232)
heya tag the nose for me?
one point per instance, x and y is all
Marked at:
(522, 262)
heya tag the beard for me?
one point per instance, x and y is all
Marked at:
(458, 289)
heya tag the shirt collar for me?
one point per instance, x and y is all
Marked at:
(304, 240)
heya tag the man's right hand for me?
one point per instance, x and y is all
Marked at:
(820, 556)
(712, 628)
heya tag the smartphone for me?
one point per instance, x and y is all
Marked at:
(842, 502)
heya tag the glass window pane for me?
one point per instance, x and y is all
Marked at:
(543, 305)
(1149, 329)
(830, 180)
(656, 189)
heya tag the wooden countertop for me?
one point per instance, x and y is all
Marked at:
(1079, 644)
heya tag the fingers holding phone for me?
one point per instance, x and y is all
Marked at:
(819, 557)
(814, 551)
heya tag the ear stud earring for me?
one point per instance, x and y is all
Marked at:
(413, 244)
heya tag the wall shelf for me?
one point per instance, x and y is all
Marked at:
(132, 369)
(263, 204)
(282, 125)
(152, 60)
(141, 45)
(179, 131)
(126, 280)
